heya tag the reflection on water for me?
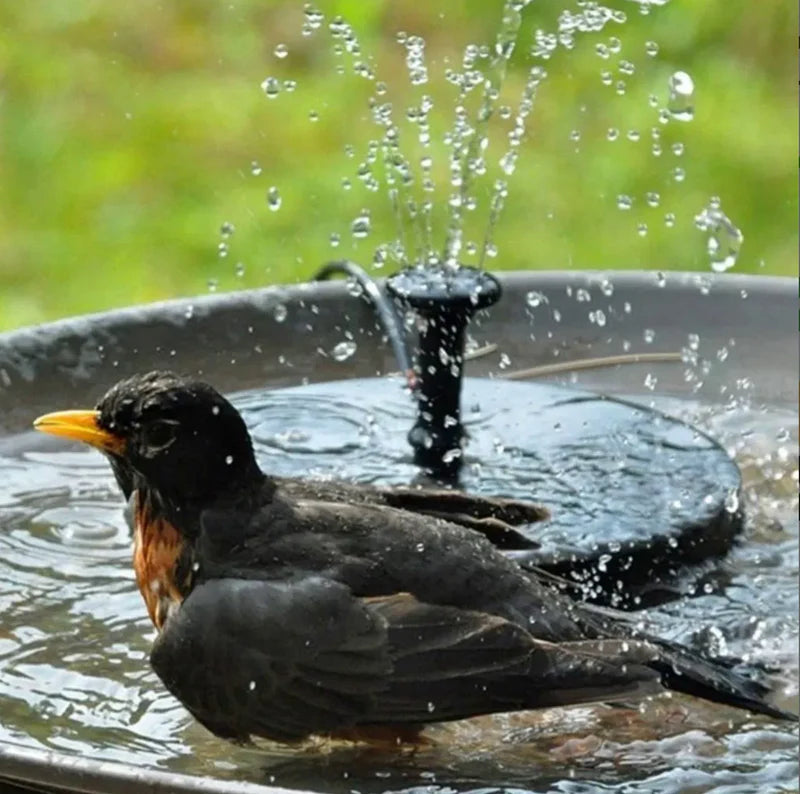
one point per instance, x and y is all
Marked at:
(74, 636)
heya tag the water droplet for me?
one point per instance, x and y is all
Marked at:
(724, 239)
(678, 174)
(313, 116)
(271, 87)
(212, 284)
(274, 199)
(624, 202)
(222, 249)
(281, 51)
(650, 381)
(334, 239)
(677, 148)
(360, 227)
(251, 686)
(641, 229)
(289, 86)
(227, 229)
(669, 220)
(626, 67)
(431, 707)
(535, 299)
(651, 48)
(313, 19)
(653, 199)
(239, 270)
(380, 256)
(255, 168)
(732, 501)
(228, 460)
(354, 288)
(451, 455)
(612, 134)
(681, 97)
(606, 287)
(279, 313)
(649, 335)
(344, 350)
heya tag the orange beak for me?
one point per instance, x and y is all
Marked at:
(81, 426)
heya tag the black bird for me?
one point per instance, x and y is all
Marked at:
(286, 610)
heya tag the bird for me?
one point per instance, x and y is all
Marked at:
(286, 611)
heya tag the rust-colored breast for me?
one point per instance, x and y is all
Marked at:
(157, 546)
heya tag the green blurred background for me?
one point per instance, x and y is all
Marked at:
(130, 130)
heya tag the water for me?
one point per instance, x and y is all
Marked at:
(74, 638)
(445, 159)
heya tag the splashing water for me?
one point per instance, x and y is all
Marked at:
(400, 159)
(724, 238)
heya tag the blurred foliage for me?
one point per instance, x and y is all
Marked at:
(129, 131)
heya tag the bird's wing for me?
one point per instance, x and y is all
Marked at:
(494, 517)
(278, 659)
(284, 659)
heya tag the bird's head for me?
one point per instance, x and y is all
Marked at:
(177, 439)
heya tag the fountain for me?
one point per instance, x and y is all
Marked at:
(104, 723)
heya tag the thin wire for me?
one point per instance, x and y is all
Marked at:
(591, 363)
(383, 306)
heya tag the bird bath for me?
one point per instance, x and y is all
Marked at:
(311, 371)
(81, 711)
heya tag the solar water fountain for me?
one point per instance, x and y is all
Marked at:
(81, 711)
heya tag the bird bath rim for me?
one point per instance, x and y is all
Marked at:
(234, 339)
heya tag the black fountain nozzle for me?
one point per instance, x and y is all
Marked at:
(445, 298)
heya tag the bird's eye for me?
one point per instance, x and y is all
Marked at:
(157, 436)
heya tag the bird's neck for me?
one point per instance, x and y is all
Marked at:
(184, 510)
(162, 559)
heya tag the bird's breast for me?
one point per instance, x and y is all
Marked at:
(157, 546)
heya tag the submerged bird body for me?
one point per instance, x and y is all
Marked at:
(286, 611)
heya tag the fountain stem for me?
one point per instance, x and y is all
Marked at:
(444, 298)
